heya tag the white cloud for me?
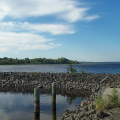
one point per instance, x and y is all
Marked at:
(3, 49)
(75, 15)
(51, 28)
(3, 10)
(24, 41)
(92, 17)
(64, 9)
(54, 29)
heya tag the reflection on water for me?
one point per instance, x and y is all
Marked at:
(18, 106)
(36, 110)
(53, 106)
(53, 110)
(70, 99)
(36, 115)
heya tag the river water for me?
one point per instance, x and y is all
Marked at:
(88, 68)
(19, 106)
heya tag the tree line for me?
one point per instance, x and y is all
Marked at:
(16, 61)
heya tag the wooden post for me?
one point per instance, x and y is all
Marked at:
(53, 88)
(36, 94)
(53, 92)
(53, 101)
(36, 103)
(54, 111)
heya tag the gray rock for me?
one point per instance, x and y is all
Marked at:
(100, 114)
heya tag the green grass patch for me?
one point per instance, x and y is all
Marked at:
(114, 99)
(99, 103)
(111, 102)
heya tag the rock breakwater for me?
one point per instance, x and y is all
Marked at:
(86, 110)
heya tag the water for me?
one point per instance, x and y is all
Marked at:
(113, 68)
(18, 106)
(99, 68)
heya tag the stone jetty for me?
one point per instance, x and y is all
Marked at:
(76, 84)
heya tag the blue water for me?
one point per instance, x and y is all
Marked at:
(18, 106)
(112, 68)
(99, 68)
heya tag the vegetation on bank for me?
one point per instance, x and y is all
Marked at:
(114, 99)
(71, 70)
(82, 72)
(16, 61)
(101, 104)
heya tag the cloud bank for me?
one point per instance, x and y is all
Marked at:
(24, 41)
(69, 10)
(16, 33)
(53, 29)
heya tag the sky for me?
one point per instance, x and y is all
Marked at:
(82, 30)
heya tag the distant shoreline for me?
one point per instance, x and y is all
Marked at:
(16, 61)
(83, 63)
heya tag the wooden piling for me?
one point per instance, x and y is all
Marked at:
(53, 92)
(53, 88)
(36, 94)
(54, 111)
(36, 100)
(53, 101)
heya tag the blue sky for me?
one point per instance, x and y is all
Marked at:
(83, 30)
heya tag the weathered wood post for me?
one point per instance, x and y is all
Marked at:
(53, 101)
(53, 92)
(36, 104)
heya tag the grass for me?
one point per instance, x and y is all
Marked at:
(82, 72)
(99, 103)
(113, 99)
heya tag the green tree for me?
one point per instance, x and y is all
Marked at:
(70, 69)
(82, 72)
(10, 61)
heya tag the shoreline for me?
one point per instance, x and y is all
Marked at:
(94, 84)
(81, 63)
